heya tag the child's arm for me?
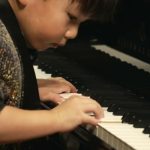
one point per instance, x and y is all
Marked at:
(18, 125)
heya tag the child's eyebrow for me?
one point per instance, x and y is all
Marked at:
(73, 16)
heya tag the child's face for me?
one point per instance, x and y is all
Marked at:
(49, 23)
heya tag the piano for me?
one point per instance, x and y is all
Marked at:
(110, 63)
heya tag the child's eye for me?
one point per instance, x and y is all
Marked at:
(71, 17)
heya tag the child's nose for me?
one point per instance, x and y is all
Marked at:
(72, 32)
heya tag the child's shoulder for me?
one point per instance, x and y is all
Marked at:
(6, 43)
(5, 38)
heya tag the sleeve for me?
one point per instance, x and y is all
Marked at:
(4, 90)
(4, 93)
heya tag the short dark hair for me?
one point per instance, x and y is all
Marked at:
(102, 10)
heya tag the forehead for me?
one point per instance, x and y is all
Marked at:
(82, 7)
(74, 6)
(71, 6)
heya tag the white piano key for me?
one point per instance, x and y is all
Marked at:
(109, 117)
(106, 119)
(41, 74)
(126, 133)
(67, 95)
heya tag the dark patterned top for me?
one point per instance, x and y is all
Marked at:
(18, 82)
(18, 85)
(11, 75)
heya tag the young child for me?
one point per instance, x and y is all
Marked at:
(26, 26)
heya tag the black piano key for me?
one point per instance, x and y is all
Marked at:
(128, 105)
(122, 101)
(138, 121)
(147, 129)
(123, 110)
(131, 117)
(141, 123)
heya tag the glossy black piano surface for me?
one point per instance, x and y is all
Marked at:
(128, 32)
(120, 86)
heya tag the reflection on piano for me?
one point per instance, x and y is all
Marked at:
(117, 76)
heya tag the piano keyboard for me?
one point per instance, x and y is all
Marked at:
(120, 136)
(123, 57)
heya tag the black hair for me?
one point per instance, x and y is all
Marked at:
(101, 10)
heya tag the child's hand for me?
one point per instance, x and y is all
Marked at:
(49, 89)
(75, 111)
